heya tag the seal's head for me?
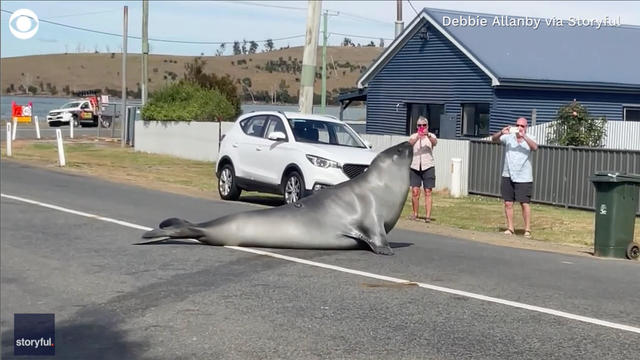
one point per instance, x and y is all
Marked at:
(397, 157)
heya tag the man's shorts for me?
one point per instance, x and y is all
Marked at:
(426, 178)
(513, 191)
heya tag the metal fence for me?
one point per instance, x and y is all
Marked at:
(561, 174)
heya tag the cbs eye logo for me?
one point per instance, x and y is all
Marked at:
(25, 25)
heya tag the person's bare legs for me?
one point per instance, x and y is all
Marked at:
(415, 200)
(508, 211)
(526, 214)
(427, 203)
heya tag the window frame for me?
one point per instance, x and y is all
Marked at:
(476, 119)
(412, 123)
(629, 107)
(245, 123)
(275, 119)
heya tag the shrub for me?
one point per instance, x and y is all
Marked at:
(574, 127)
(186, 101)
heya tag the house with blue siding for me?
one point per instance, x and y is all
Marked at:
(471, 79)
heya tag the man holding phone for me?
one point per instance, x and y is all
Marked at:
(517, 172)
(423, 171)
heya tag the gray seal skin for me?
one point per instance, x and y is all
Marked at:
(359, 211)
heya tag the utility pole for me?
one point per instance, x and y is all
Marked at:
(309, 57)
(123, 112)
(399, 23)
(145, 50)
(323, 95)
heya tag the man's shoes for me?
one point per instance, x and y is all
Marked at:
(527, 234)
(508, 232)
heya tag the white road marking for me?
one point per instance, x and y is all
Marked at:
(567, 262)
(362, 273)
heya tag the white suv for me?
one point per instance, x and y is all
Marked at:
(292, 154)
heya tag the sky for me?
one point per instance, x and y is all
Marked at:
(99, 24)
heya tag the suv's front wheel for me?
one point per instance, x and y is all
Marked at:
(227, 186)
(293, 186)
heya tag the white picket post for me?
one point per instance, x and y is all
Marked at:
(37, 127)
(61, 159)
(15, 127)
(8, 139)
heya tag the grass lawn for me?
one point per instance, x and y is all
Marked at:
(110, 161)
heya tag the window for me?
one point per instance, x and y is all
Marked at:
(475, 119)
(254, 126)
(324, 132)
(631, 113)
(430, 111)
(275, 124)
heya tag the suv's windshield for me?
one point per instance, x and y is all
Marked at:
(324, 132)
(70, 105)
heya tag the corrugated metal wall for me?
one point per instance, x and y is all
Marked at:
(561, 174)
(426, 71)
(622, 135)
(444, 151)
(511, 104)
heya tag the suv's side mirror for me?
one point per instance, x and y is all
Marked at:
(277, 136)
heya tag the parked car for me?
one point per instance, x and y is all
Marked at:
(79, 113)
(291, 154)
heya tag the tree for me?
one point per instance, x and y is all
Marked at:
(194, 73)
(268, 45)
(244, 46)
(220, 51)
(253, 46)
(371, 44)
(236, 48)
(574, 127)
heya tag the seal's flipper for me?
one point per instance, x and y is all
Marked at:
(176, 229)
(378, 247)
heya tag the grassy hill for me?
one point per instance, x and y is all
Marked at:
(264, 73)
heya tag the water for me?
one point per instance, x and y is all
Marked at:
(42, 105)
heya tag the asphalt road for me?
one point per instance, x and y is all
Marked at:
(116, 300)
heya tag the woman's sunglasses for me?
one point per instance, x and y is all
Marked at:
(422, 125)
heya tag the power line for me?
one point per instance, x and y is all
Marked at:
(305, 9)
(414, 9)
(358, 36)
(158, 40)
(86, 13)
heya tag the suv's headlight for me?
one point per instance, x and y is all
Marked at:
(322, 162)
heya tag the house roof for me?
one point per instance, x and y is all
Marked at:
(526, 55)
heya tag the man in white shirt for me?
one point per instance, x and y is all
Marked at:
(517, 173)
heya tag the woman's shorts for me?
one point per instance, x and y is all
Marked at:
(426, 178)
(512, 191)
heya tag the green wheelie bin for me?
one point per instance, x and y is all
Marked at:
(616, 206)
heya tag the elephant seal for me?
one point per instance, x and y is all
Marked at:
(356, 212)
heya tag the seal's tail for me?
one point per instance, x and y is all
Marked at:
(176, 229)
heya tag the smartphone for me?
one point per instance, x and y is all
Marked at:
(421, 130)
(513, 130)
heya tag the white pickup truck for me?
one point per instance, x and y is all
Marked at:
(78, 112)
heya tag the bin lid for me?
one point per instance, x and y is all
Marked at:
(611, 176)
